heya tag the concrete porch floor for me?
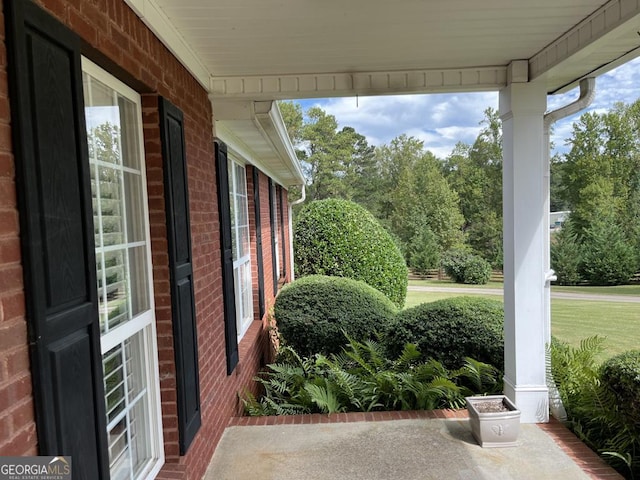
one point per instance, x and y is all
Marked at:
(394, 445)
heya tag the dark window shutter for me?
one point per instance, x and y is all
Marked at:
(228, 292)
(283, 263)
(274, 232)
(183, 307)
(259, 260)
(58, 249)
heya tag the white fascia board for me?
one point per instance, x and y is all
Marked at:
(602, 27)
(237, 147)
(154, 18)
(321, 85)
(272, 124)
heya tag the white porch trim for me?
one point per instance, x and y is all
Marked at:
(359, 83)
(522, 107)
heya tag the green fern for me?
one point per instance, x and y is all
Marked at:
(363, 378)
(481, 377)
(592, 409)
(325, 398)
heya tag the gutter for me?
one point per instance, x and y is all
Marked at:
(587, 94)
(303, 196)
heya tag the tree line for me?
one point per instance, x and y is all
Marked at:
(432, 206)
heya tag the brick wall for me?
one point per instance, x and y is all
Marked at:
(110, 27)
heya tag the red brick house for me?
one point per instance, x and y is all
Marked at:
(138, 257)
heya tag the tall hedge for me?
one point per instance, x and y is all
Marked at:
(451, 329)
(340, 238)
(314, 313)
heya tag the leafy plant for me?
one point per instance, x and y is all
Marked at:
(451, 329)
(424, 253)
(566, 255)
(465, 267)
(340, 238)
(621, 374)
(362, 378)
(608, 258)
(313, 313)
(596, 412)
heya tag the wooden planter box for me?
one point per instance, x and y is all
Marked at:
(495, 420)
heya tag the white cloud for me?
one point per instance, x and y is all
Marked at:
(442, 120)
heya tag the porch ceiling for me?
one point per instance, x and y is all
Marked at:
(307, 48)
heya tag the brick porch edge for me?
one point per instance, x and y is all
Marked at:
(586, 458)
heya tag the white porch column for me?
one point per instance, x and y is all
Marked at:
(522, 106)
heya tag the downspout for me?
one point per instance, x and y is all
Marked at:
(303, 196)
(587, 94)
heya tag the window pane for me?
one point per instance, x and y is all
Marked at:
(119, 454)
(244, 247)
(114, 387)
(138, 280)
(243, 218)
(109, 198)
(96, 93)
(129, 139)
(246, 291)
(237, 286)
(127, 407)
(241, 180)
(136, 231)
(115, 288)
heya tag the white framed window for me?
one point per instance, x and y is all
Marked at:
(241, 244)
(125, 285)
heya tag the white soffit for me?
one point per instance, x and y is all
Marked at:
(255, 132)
(165, 30)
(315, 48)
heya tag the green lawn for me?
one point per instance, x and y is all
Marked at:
(451, 283)
(573, 320)
(616, 290)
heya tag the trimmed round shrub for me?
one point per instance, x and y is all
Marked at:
(622, 375)
(340, 238)
(450, 330)
(314, 313)
(464, 267)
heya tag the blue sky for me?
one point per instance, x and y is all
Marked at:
(441, 120)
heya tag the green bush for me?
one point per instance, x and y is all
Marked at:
(450, 330)
(313, 313)
(622, 375)
(565, 255)
(600, 400)
(607, 257)
(424, 252)
(340, 238)
(364, 379)
(465, 267)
